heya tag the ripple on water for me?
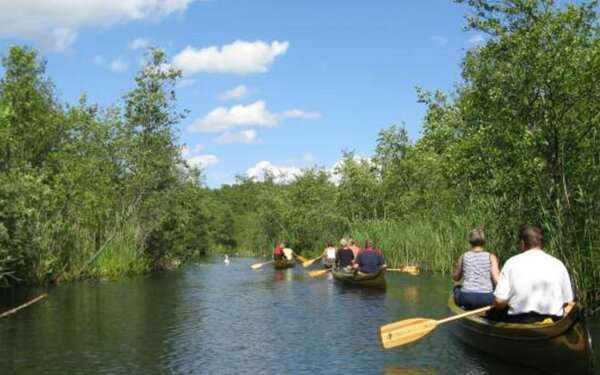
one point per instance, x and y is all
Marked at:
(213, 319)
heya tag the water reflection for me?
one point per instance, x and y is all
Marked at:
(217, 319)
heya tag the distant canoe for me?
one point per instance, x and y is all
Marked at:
(359, 279)
(284, 263)
(563, 347)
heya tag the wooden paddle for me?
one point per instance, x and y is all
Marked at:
(309, 262)
(258, 265)
(318, 273)
(300, 258)
(409, 330)
(411, 270)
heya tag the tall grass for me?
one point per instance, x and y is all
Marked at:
(435, 242)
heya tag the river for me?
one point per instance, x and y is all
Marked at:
(211, 318)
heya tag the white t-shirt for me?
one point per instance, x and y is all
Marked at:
(534, 281)
(288, 253)
(330, 253)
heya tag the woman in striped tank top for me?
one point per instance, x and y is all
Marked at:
(479, 270)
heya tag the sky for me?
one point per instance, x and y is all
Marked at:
(279, 85)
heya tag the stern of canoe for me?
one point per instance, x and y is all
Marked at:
(558, 348)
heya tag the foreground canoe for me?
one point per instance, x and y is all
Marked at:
(563, 347)
(359, 279)
(284, 263)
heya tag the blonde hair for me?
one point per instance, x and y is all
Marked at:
(343, 242)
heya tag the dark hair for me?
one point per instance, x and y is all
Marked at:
(531, 235)
(368, 243)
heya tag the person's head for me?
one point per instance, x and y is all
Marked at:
(281, 245)
(368, 243)
(329, 243)
(477, 237)
(530, 236)
(352, 242)
(344, 242)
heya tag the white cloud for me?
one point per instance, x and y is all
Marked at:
(281, 175)
(240, 57)
(139, 43)
(55, 23)
(237, 92)
(246, 136)
(201, 161)
(476, 39)
(118, 65)
(223, 119)
(439, 40)
(298, 114)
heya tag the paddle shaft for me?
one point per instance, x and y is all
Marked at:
(463, 315)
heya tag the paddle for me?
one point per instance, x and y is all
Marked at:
(411, 270)
(309, 262)
(318, 273)
(409, 330)
(258, 265)
(300, 258)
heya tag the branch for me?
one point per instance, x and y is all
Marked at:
(10, 312)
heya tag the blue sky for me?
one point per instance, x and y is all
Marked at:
(276, 84)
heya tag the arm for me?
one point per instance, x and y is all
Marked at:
(457, 274)
(382, 264)
(495, 268)
(500, 304)
(502, 291)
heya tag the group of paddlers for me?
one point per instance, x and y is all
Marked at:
(348, 256)
(532, 286)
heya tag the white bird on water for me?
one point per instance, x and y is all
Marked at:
(226, 261)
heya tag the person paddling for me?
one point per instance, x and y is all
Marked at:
(328, 255)
(533, 285)
(278, 251)
(369, 260)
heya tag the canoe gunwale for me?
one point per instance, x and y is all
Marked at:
(561, 347)
(359, 278)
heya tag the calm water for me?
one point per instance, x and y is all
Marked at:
(217, 319)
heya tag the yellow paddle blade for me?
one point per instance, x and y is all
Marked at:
(411, 270)
(405, 331)
(258, 265)
(300, 258)
(309, 262)
(318, 273)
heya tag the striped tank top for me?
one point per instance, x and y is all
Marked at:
(476, 270)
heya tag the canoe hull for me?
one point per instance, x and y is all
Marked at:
(282, 264)
(359, 279)
(563, 347)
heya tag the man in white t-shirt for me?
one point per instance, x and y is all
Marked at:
(533, 284)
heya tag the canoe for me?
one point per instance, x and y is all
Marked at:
(284, 263)
(359, 278)
(562, 347)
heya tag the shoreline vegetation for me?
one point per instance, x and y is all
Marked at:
(90, 192)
